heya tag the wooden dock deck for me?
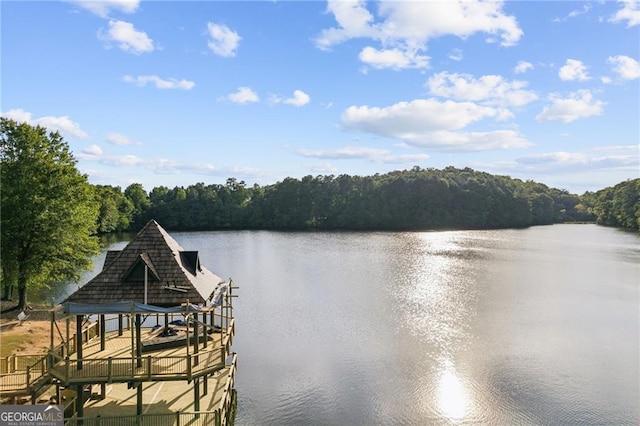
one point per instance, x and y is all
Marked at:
(164, 403)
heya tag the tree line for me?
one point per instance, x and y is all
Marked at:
(415, 199)
(51, 215)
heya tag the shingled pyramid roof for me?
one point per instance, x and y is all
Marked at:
(173, 275)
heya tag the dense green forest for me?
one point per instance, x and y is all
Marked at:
(415, 199)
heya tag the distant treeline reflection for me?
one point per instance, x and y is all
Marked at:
(413, 199)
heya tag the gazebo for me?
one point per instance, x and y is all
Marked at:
(153, 276)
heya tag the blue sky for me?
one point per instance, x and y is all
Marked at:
(176, 93)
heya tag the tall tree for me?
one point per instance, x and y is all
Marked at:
(48, 210)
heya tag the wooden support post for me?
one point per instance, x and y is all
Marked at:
(103, 390)
(67, 319)
(186, 317)
(205, 332)
(196, 394)
(119, 324)
(79, 340)
(196, 336)
(102, 332)
(139, 400)
(205, 384)
(166, 322)
(80, 400)
(53, 320)
(139, 340)
(133, 340)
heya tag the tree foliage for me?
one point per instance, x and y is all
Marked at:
(618, 205)
(401, 200)
(48, 209)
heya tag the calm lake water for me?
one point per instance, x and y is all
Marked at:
(532, 326)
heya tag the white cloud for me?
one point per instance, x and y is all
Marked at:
(576, 12)
(613, 157)
(573, 70)
(322, 168)
(404, 28)
(627, 68)
(417, 116)
(128, 38)
(299, 99)
(630, 12)
(489, 89)
(118, 139)
(243, 95)
(354, 21)
(95, 154)
(223, 40)
(123, 160)
(18, 115)
(522, 67)
(94, 150)
(429, 123)
(356, 152)
(171, 83)
(62, 124)
(394, 58)
(580, 104)
(103, 7)
(165, 166)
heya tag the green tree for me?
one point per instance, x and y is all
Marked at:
(116, 210)
(141, 203)
(48, 210)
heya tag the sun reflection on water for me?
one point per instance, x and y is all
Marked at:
(453, 397)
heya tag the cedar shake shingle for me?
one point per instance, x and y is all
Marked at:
(173, 274)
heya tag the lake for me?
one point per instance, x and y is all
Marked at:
(529, 326)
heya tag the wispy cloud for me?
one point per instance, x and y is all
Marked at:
(103, 8)
(456, 55)
(576, 12)
(613, 157)
(160, 83)
(127, 37)
(580, 104)
(362, 153)
(119, 139)
(93, 150)
(62, 124)
(165, 166)
(223, 41)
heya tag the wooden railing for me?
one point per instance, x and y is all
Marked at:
(226, 403)
(21, 373)
(218, 417)
(124, 369)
